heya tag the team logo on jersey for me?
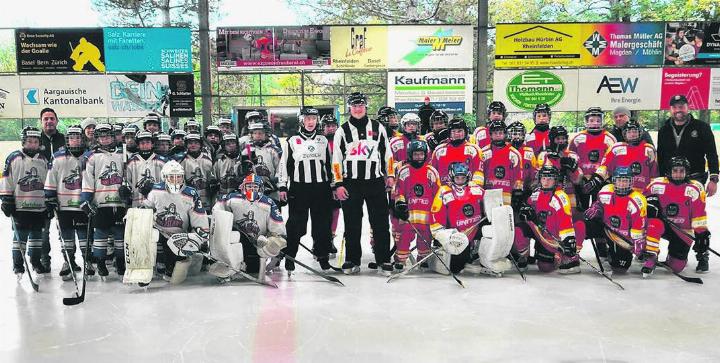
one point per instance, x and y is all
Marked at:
(694, 133)
(468, 210)
(145, 177)
(636, 168)
(31, 181)
(111, 175)
(499, 172)
(169, 217)
(672, 210)
(615, 221)
(73, 181)
(248, 225)
(196, 179)
(594, 156)
(419, 190)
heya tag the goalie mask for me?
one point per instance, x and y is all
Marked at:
(174, 176)
(251, 187)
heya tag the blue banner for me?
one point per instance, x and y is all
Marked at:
(148, 50)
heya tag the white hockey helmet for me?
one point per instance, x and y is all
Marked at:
(173, 175)
(409, 118)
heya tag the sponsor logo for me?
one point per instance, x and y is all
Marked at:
(594, 156)
(615, 221)
(499, 172)
(468, 210)
(636, 168)
(30, 96)
(419, 190)
(31, 181)
(529, 88)
(672, 210)
(595, 44)
(618, 85)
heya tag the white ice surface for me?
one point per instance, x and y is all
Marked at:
(418, 318)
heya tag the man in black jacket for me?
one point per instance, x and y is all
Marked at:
(424, 112)
(50, 142)
(683, 135)
(621, 115)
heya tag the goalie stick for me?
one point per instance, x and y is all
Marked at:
(34, 285)
(417, 233)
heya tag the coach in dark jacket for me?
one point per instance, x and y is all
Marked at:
(424, 112)
(683, 135)
(51, 139)
(621, 115)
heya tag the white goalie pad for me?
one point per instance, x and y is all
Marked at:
(184, 268)
(492, 199)
(436, 265)
(452, 240)
(225, 245)
(270, 246)
(140, 245)
(497, 240)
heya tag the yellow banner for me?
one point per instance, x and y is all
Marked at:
(537, 45)
(359, 47)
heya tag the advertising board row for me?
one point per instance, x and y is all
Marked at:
(579, 89)
(97, 95)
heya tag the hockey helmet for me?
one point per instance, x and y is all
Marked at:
(73, 139)
(497, 106)
(410, 119)
(549, 171)
(632, 128)
(192, 126)
(417, 146)
(439, 117)
(457, 123)
(592, 124)
(677, 162)
(457, 170)
(542, 107)
(516, 133)
(103, 130)
(493, 128)
(555, 132)
(622, 180)
(357, 98)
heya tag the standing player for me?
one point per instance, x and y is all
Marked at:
(225, 168)
(409, 127)
(502, 165)
(516, 135)
(388, 117)
(268, 157)
(198, 170)
(566, 161)
(538, 139)
(143, 170)
(496, 111)
(458, 150)
(438, 135)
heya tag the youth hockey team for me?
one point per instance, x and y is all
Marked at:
(171, 204)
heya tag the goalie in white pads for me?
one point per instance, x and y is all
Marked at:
(179, 217)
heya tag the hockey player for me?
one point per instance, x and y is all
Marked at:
(458, 149)
(257, 218)
(591, 145)
(496, 111)
(143, 170)
(103, 175)
(268, 158)
(305, 185)
(23, 200)
(225, 168)
(409, 125)
(548, 207)
(516, 136)
(619, 210)
(538, 138)
(162, 144)
(225, 124)
(128, 135)
(636, 153)
(438, 135)
(192, 127)
(178, 209)
(502, 165)
(389, 118)
(329, 126)
(213, 139)
(198, 170)
(152, 123)
(178, 149)
(62, 191)
(416, 186)
(117, 131)
(566, 161)
(676, 212)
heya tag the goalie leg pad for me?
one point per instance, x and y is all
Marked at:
(492, 199)
(493, 251)
(140, 246)
(436, 265)
(225, 244)
(180, 271)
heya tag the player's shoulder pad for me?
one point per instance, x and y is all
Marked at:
(189, 191)
(580, 137)
(475, 189)
(14, 155)
(696, 184)
(619, 148)
(562, 197)
(62, 152)
(638, 198)
(159, 186)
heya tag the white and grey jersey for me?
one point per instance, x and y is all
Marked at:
(64, 180)
(261, 217)
(176, 212)
(102, 176)
(198, 172)
(225, 169)
(139, 171)
(306, 160)
(268, 159)
(23, 180)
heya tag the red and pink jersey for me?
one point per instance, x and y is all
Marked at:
(538, 140)
(626, 215)
(398, 148)
(502, 167)
(459, 208)
(481, 137)
(641, 159)
(682, 204)
(554, 211)
(467, 153)
(417, 187)
(591, 149)
(529, 165)
(568, 179)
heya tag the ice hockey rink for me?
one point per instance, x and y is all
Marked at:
(423, 317)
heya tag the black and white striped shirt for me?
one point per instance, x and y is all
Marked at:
(306, 160)
(361, 150)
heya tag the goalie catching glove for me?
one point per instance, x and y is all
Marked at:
(186, 244)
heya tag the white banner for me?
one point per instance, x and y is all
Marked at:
(521, 90)
(449, 91)
(635, 88)
(138, 96)
(10, 97)
(68, 95)
(714, 102)
(431, 46)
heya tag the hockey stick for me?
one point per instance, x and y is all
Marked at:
(427, 244)
(696, 280)
(393, 277)
(336, 269)
(69, 301)
(512, 259)
(689, 239)
(597, 255)
(67, 256)
(34, 285)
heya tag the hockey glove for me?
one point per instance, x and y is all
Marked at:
(88, 208)
(595, 211)
(401, 210)
(527, 213)
(8, 207)
(654, 210)
(125, 192)
(516, 198)
(593, 185)
(702, 242)
(568, 247)
(568, 164)
(213, 186)
(50, 206)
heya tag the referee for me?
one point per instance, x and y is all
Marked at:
(305, 165)
(362, 170)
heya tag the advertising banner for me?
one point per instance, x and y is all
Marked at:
(70, 96)
(359, 47)
(622, 44)
(694, 83)
(537, 45)
(10, 97)
(182, 95)
(607, 88)
(148, 50)
(59, 50)
(433, 46)
(138, 94)
(8, 58)
(449, 91)
(714, 101)
(245, 48)
(521, 90)
(692, 43)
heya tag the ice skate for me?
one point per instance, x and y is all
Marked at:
(387, 269)
(703, 263)
(350, 268)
